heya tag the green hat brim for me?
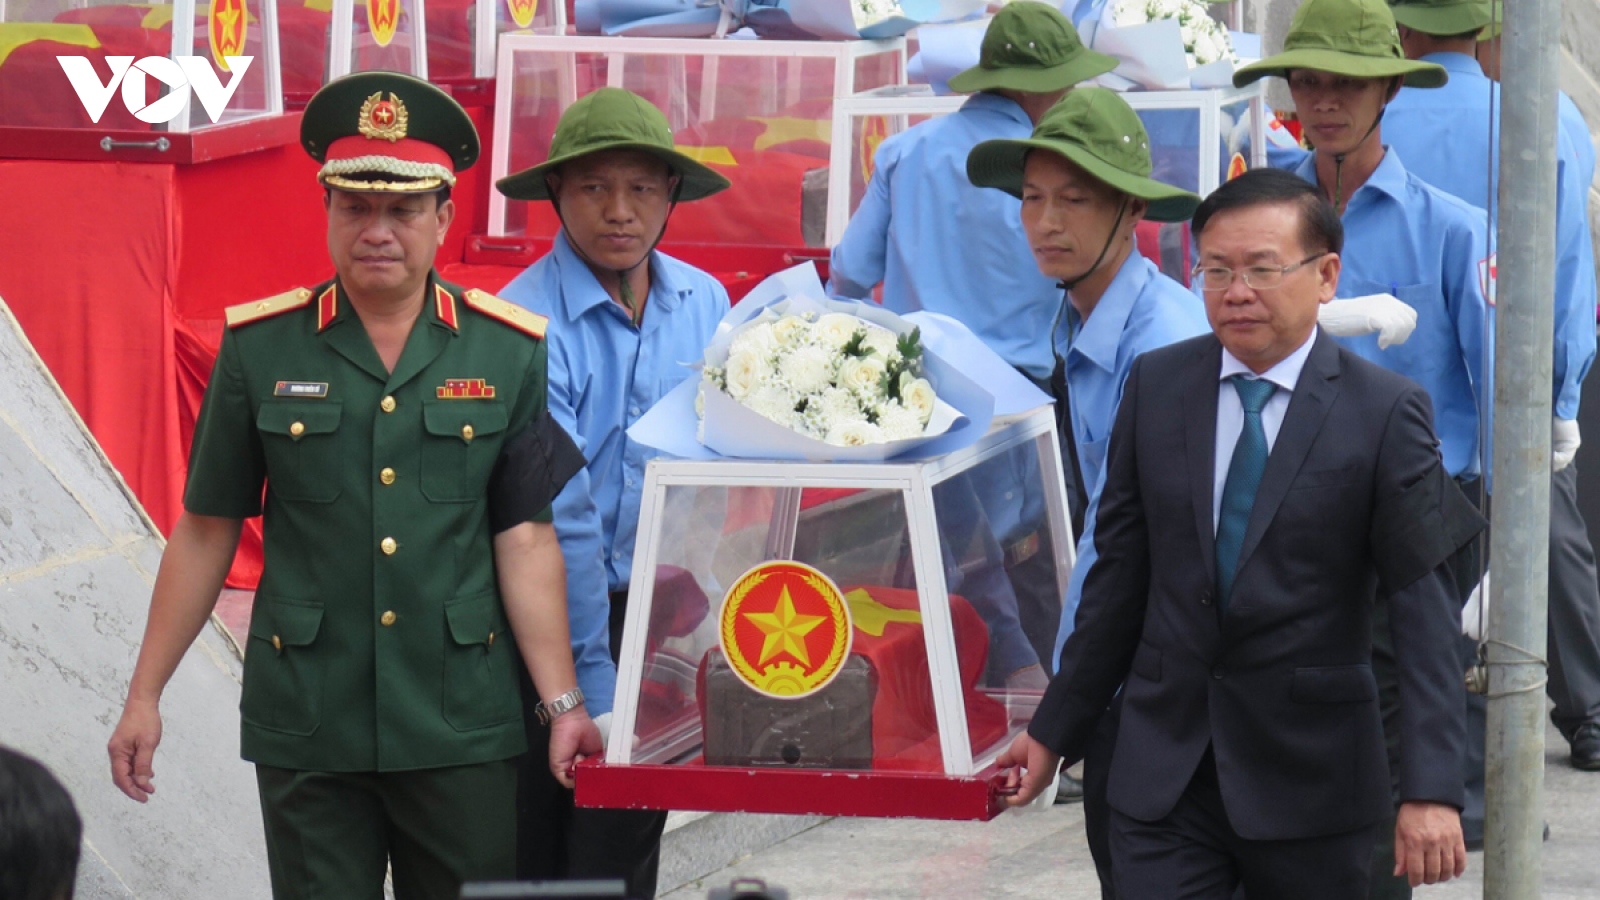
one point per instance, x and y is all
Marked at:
(696, 181)
(1417, 74)
(1086, 64)
(999, 164)
(1441, 21)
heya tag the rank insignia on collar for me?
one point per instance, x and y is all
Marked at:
(317, 389)
(466, 389)
(381, 119)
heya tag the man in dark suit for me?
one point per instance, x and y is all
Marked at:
(1262, 485)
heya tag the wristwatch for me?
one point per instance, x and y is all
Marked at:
(547, 712)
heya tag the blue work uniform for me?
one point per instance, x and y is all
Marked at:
(1467, 166)
(605, 373)
(1430, 250)
(938, 243)
(1141, 310)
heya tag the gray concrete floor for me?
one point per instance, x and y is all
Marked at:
(1043, 855)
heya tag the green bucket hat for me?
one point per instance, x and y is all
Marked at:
(1355, 38)
(1444, 17)
(1031, 47)
(613, 119)
(1096, 130)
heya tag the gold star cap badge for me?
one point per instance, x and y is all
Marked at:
(383, 120)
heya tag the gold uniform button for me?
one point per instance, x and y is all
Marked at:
(387, 618)
(389, 546)
(491, 639)
(467, 433)
(297, 429)
(387, 404)
(386, 476)
(277, 643)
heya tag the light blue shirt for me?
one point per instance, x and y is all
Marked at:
(1430, 250)
(938, 243)
(1230, 412)
(1582, 140)
(1141, 310)
(604, 374)
(1466, 164)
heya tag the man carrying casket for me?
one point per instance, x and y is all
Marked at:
(625, 320)
(1084, 182)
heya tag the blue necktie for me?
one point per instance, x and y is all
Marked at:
(1244, 478)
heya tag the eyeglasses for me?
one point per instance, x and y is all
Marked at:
(1260, 278)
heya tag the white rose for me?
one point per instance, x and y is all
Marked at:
(700, 401)
(774, 402)
(862, 375)
(836, 329)
(881, 341)
(790, 330)
(808, 369)
(898, 423)
(1130, 12)
(757, 339)
(744, 373)
(918, 396)
(856, 433)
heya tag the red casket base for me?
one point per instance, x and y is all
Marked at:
(799, 792)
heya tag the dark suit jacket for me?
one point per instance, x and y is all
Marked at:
(1281, 686)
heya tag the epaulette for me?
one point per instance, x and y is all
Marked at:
(245, 313)
(506, 311)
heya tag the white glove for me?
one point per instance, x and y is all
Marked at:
(1382, 313)
(603, 722)
(1564, 443)
(1475, 615)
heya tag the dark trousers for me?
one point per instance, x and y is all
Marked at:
(556, 839)
(1096, 810)
(330, 835)
(1195, 854)
(1574, 632)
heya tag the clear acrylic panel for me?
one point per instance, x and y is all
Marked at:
(877, 713)
(383, 34)
(34, 91)
(1235, 127)
(759, 112)
(305, 32)
(1174, 146)
(1001, 570)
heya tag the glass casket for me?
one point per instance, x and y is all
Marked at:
(114, 44)
(838, 638)
(1194, 137)
(758, 111)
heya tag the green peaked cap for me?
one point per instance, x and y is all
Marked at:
(613, 119)
(1031, 47)
(1354, 38)
(1444, 17)
(1096, 130)
(387, 132)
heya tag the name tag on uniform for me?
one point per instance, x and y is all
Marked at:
(465, 389)
(316, 389)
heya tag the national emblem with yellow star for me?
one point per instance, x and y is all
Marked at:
(785, 629)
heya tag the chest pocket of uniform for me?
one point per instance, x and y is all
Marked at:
(301, 442)
(460, 449)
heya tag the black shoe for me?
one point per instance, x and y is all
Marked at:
(1070, 790)
(1586, 747)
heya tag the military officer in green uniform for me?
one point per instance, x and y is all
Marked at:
(400, 428)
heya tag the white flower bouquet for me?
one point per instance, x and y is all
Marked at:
(1163, 45)
(848, 20)
(794, 375)
(1205, 41)
(831, 376)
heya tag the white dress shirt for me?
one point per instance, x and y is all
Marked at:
(1230, 412)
